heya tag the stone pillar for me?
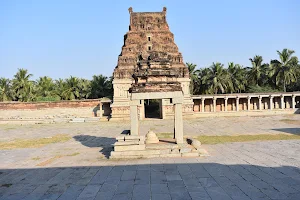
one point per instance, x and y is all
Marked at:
(237, 104)
(214, 104)
(248, 103)
(259, 103)
(293, 101)
(271, 103)
(100, 110)
(202, 104)
(282, 102)
(225, 103)
(134, 120)
(142, 109)
(178, 123)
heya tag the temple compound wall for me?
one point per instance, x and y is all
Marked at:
(148, 38)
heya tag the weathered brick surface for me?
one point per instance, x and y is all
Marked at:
(41, 105)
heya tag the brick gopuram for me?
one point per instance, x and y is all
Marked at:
(149, 59)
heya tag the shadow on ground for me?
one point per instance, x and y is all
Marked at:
(152, 181)
(295, 131)
(107, 144)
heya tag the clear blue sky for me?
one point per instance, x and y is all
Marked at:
(59, 38)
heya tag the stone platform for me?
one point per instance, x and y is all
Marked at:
(135, 147)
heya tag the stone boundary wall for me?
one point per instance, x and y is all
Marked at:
(44, 105)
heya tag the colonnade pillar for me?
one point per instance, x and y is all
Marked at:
(248, 103)
(226, 102)
(237, 104)
(293, 101)
(202, 104)
(282, 102)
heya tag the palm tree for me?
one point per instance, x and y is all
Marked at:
(5, 92)
(45, 87)
(101, 86)
(71, 89)
(284, 70)
(193, 76)
(85, 88)
(22, 86)
(238, 77)
(216, 79)
(257, 70)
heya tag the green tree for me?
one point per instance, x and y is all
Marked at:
(85, 88)
(5, 89)
(194, 77)
(22, 87)
(45, 87)
(101, 86)
(71, 89)
(284, 70)
(237, 77)
(216, 79)
(257, 70)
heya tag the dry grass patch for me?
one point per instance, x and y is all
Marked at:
(245, 138)
(290, 121)
(47, 162)
(36, 158)
(206, 139)
(34, 143)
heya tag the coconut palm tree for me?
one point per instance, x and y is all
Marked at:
(71, 89)
(45, 87)
(101, 86)
(22, 86)
(216, 79)
(284, 70)
(237, 76)
(5, 89)
(85, 88)
(257, 70)
(194, 77)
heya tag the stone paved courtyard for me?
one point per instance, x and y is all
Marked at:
(78, 169)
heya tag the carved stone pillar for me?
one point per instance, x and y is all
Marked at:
(237, 104)
(259, 103)
(226, 99)
(214, 104)
(202, 104)
(271, 103)
(282, 106)
(293, 101)
(134, 120)
(178, 123)
(248, 103)
(100, 110)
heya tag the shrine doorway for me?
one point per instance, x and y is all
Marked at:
(153, 108)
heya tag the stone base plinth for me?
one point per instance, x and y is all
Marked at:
(166, 149)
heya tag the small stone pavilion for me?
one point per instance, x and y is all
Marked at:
(149, 63)
(150, 67)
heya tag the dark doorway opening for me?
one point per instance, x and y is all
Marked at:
(153, 108)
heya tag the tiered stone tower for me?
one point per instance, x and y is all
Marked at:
(149, 61)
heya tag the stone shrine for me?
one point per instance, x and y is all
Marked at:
(149, 61)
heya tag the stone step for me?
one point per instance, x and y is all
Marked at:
(136, 153)
(191, 154)
(77, 120)
(161, 146)
(130, 137)
(130, 148)
(128, 142)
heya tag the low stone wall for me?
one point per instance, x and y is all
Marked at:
(42, 105)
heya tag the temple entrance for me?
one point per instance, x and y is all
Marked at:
(153, 108)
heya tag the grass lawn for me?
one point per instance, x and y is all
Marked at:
(34, 143)
(205, 139)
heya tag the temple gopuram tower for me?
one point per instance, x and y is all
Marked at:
(149, 61)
